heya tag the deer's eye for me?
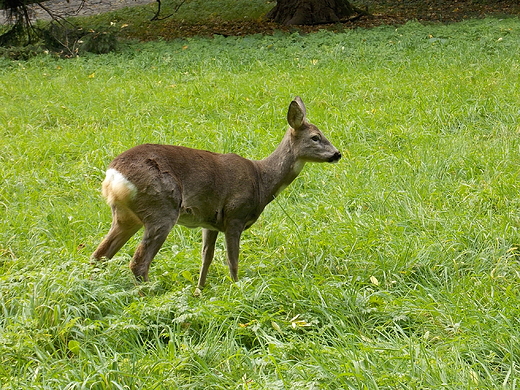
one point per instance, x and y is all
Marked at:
(315, 138)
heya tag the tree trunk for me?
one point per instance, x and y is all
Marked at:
(310, 11)
(11, 4)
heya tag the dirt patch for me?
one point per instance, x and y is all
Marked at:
(67, 8)
(383, 12)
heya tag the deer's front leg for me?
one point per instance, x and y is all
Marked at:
(209, 237)
(233, 248)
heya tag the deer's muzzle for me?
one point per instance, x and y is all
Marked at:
(334, 158)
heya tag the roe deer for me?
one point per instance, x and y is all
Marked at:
(159, 186)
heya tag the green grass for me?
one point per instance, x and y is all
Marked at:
(395, 269)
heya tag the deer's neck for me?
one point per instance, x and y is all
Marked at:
(279, 169)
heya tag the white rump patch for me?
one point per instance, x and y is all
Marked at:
(117, 188)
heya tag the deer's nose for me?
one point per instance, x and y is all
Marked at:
(335, 157)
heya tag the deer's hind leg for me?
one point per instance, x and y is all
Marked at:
(158, 222)
(124, 225)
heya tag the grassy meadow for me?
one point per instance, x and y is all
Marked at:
(397, 268)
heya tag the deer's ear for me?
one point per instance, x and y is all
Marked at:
(296, 114)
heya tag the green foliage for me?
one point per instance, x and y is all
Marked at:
(177, 17)
(102, 33)
(64, 40)
(396, 268)
(71, 41)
